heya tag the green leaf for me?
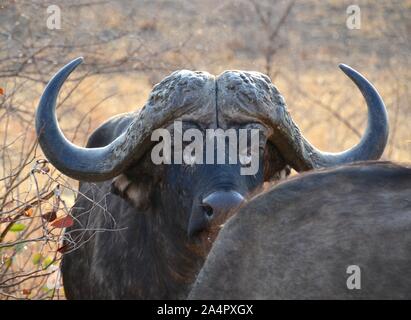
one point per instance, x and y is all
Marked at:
(50, 292)
(45, 288)
(37, 257)
(8, 262)
(17, 227)
(47, 262)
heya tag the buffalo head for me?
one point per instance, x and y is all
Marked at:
(192, 196)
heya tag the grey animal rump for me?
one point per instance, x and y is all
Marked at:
(296, 240)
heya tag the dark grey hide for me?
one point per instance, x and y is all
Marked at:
(296, 240)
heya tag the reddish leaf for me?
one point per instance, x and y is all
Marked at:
(63, 222)
(26, 292)
(1, 91)
(50, 216)
(63, 248)
(28, 212)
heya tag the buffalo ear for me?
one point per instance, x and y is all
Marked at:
(137, 193)
(275, 167)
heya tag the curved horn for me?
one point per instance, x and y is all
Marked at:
(302, 155)
(175, 95)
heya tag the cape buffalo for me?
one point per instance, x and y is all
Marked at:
(143, 230)
(342, 233)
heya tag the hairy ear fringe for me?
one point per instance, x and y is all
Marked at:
(131, 191)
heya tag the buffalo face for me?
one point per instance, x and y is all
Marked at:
(199, 196)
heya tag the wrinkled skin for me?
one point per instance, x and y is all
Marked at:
(296, 240)
(150, 255)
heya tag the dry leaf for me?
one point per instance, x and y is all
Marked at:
(63, 248)
(63, 222)
(26, 292)
(50, 216)
(28, 212)
(45, 169)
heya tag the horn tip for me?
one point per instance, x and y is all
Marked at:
(78, 60)
(68, 68)
(350, 72)
(344, 67)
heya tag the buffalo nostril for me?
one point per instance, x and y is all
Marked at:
(208, 210)
(221, 202)
(213, 205)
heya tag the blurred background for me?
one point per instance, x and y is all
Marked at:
(129, 46)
